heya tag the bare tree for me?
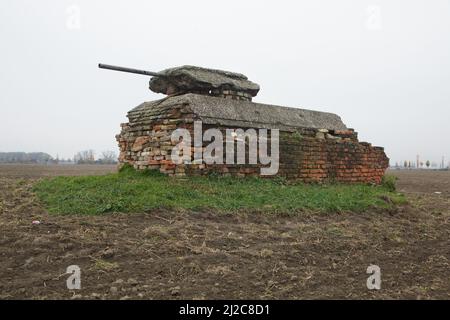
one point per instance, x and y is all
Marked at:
(85, 156)
(108, 157)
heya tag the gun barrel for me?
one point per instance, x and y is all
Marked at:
(130, 70)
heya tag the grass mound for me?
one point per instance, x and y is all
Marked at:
(132, 191)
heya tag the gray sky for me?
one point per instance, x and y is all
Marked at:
(383, 66)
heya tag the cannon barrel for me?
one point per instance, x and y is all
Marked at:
(130, 70)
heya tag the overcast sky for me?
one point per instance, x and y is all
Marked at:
(383, 66)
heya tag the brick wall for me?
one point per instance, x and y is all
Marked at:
(306, 154)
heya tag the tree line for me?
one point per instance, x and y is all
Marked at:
(81, 157)
(88, 157)
(24, 157)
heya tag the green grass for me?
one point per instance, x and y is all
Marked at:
(131, 191)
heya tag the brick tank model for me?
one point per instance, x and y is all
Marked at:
(313, 146)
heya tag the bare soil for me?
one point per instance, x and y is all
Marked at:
(205, 255)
